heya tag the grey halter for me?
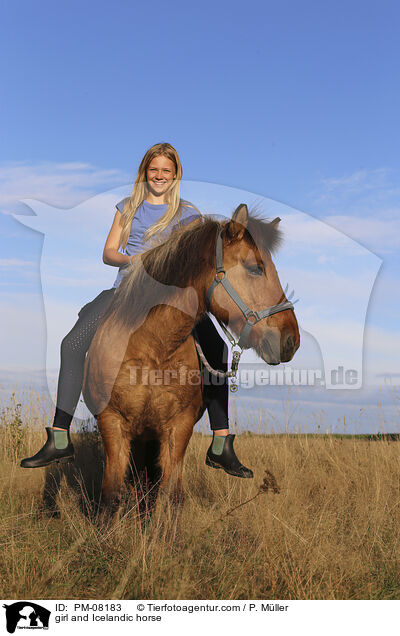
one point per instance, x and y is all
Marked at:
(252, 317)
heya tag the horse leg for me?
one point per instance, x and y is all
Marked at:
(145, 474)
(172, 452)
(116, 448)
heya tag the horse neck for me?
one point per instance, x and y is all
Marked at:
(169, 325)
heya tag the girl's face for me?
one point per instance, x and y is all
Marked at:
(160, 174)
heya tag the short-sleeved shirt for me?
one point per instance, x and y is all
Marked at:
(146, 215)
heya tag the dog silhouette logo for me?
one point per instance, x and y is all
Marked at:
(331, 273)
(26, 615)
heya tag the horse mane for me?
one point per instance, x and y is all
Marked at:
(186, 255)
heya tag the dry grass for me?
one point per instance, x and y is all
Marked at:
(331, 533)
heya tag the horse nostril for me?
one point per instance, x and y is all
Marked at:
(290, 342)
(288, 348)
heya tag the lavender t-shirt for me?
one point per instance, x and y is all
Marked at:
(146, 215)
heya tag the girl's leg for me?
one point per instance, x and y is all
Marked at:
(73, 353)
(216, 390)
(74, 347)
(216, 395)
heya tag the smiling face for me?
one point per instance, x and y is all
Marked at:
(160, 175)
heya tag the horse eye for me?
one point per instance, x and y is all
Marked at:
(255, 270)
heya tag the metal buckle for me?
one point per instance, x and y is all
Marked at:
(236, 353)
(252, 317)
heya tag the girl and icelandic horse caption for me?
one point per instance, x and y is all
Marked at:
(224, 267)
(221, 267)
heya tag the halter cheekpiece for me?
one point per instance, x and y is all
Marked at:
(252, 317)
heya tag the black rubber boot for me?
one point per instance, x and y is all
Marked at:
(228, 460)
(49, 453)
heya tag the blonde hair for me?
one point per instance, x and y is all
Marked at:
(140, 191)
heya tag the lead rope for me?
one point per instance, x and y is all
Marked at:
(236, 353)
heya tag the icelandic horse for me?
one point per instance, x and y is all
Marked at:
(140, 368)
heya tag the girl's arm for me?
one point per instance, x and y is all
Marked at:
(111, 255)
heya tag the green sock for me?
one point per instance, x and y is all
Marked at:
(60, 439)
(218, 444)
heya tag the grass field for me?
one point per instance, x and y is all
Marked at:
(333, 531)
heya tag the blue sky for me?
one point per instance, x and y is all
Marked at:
(295, 102)
(256, 95)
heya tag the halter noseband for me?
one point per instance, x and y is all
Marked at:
(252, 317)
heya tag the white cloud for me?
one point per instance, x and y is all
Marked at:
(364, 205)
(303, 232)
(380, 233)
(10, 263)
(328, 291)
(60, 184)
(365, 185)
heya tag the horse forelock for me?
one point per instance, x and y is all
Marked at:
(262, 233)
(186, 256)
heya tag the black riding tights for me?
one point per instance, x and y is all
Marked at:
(76, 344)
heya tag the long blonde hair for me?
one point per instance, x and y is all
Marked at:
(140, 192)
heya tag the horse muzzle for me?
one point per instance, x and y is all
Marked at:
(277, 347)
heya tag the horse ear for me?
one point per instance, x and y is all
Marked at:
(275, 222)
(238, 223)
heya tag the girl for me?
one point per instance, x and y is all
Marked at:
(153, 209)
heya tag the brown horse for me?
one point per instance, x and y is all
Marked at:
(142, 377)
